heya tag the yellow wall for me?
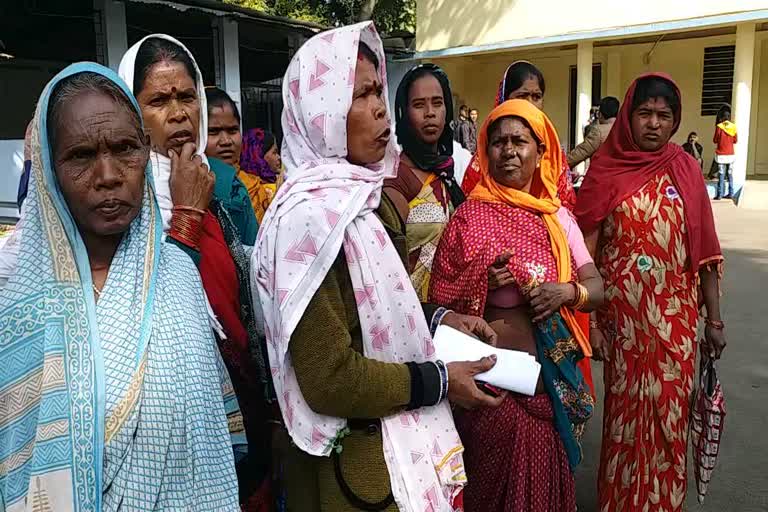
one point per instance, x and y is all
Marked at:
(474, 80)
(449, 23)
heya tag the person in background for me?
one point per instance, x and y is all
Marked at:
(647, 219)
(468, 131)
(208, 214)
(725, 154)
(522, 80)
(363, 399)
(114, 396)
(597, 133)
(255, 155)
(463, 117)
(425, 191)
(261, 168)
(521, 455)
(693, 148)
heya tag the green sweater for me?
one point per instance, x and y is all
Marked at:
(337, 380)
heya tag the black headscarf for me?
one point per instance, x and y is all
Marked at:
(423, 155)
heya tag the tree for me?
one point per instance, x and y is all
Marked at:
(389, 15)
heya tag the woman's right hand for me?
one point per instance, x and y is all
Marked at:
(191, 181)
(498, 273)
(462, 389)
(599, 344)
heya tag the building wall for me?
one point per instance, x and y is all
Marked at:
(475, 80)
(449, 23)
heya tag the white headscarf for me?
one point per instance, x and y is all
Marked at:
(161, 165)
(327, 203)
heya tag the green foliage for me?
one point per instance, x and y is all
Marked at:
(389, 15)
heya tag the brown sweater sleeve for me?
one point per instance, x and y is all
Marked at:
(326, 350)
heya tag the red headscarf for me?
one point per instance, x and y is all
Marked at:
(620, 168)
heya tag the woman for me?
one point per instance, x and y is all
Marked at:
(424, 191)
(515, 208)
(111, 381)
(524, 81)
(255, 155)
(644, 209)
(260, 168)
(208, 214)
(352, 358)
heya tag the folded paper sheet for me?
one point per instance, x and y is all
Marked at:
(514, 370)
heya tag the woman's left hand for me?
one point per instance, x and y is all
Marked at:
(471, 325)
(549, 298)
(714, 342)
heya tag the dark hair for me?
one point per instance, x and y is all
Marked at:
(80, 83)
(609, 107)
(268, 141)
(656, 87)
(155, 50)
(463, 107)
(692, 134)
(725, 108)
(218, 98)
(518, 73)
(494, 125)
(473, 110)
(365, 51)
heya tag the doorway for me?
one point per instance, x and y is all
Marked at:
(597, 81)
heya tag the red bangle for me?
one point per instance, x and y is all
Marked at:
(715, 324)
(187, 229)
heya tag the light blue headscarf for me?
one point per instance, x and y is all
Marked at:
(120, 404)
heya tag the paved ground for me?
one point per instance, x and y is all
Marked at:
(740, 481)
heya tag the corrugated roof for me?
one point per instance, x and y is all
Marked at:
(220, 8)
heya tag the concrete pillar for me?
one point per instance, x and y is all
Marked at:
(614, 86)
(742, 98)
(583, 91)
(226, 54)
(111, 32)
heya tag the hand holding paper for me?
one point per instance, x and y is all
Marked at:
(514, 370)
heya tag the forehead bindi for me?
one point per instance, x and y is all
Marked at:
(168, 77)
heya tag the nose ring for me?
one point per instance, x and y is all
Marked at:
(514, 154)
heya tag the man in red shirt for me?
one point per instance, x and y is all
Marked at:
(725, 155)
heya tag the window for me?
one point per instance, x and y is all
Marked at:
(717, 82)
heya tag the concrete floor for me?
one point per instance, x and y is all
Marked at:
(740, 480)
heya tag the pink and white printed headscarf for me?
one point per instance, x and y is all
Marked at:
(325, 204)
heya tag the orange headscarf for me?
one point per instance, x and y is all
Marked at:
(542, 197)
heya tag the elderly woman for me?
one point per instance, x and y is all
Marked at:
(424, 191)
(209, 221)
(255, 155)
(350, 348)
(111, 380)
(520, 456)
(645, 213)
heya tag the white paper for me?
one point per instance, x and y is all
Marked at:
(514, 370)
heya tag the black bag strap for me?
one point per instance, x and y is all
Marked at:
(353, 498)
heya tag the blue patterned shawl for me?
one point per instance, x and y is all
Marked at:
(117, 405)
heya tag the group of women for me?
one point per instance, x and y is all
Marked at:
(186, 327)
